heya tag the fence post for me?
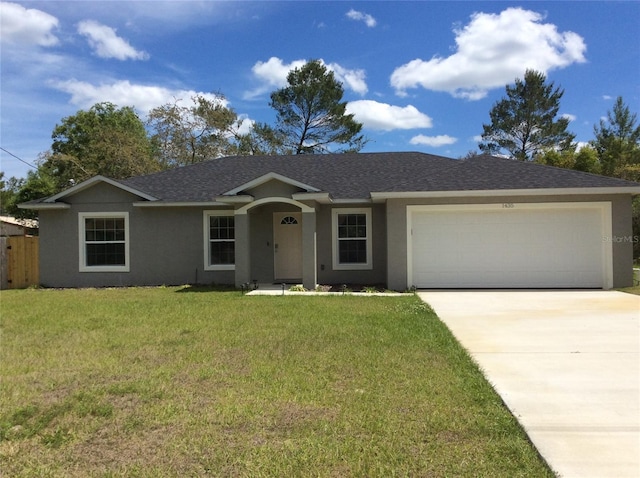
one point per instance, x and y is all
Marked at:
(4, 268)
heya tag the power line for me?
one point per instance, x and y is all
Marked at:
(19, 159)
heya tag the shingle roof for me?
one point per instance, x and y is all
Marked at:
(356, 176)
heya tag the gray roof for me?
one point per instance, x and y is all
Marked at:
(356, 176)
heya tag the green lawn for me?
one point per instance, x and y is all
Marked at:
(188, 382)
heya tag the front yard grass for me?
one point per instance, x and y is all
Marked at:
(187, 382)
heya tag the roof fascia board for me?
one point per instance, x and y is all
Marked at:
(178, 204)
(42, 205)
(96, 179)
(506, 192)
(352, 201)
(323, 198)
(244, 199)
(268, 177)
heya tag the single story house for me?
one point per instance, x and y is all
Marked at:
(399, 219)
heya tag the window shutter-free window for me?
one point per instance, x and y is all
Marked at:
(104, 242)
(352, 239)
(219, 240)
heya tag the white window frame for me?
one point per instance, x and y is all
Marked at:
(335, 240)
(83, 267)
(207, 215)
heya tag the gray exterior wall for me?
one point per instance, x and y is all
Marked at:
(167, 245)
(620, 219)
(376, 275)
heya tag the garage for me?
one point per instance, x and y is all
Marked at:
(510, 245)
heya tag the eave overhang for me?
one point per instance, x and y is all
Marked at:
(242, 199)
(375, 196)
(44, 206)
(147, 204)
(320, 197)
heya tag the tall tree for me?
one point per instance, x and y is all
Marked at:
(524, 124)
(104, 140)
(187, 134)
(311, 116)
(617, 142)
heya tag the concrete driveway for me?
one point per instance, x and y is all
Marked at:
(567, 365)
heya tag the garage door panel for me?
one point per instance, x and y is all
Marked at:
(521, 248)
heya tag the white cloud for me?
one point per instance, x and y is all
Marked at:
(26, 26)
(246, 124)
(607, 97)
(493, 50)
(107, 44)
(352, 79)
(434, 141)
(385, 117)
(273, 72)
(124, 93)
(273, 75)
(360, 16)
(568, 116)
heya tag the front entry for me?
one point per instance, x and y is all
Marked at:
(287, 246)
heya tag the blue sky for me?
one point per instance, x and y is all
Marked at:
(420, 76)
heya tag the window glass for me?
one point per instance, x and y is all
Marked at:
(104, 242)
(222, 241)
(352, 238)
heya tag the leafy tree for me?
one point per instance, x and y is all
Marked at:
(38, 184)
(311, 116)
(617, 143)
(586, 159)
(206, 129)
(262, 139)
(8, 191)
(103, 140)
(524, 123)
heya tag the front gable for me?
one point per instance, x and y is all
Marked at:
(102, 193)
(269, 185)
(98, 189)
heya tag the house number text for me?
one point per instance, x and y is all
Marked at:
(508, 205)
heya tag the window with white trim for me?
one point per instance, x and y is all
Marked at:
(219, 240)
(103, 241)
(352, 239)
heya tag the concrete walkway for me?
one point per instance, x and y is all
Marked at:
(567, 365)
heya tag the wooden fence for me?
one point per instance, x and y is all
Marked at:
(19, 262)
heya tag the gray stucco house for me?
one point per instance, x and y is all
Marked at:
(400, 219)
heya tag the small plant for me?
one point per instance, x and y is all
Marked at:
(323, 288)
(297, 288)
(369, 290)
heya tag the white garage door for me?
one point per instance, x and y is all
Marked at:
(509, 246)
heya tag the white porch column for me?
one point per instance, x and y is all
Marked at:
(243, 253)
(309, 262)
